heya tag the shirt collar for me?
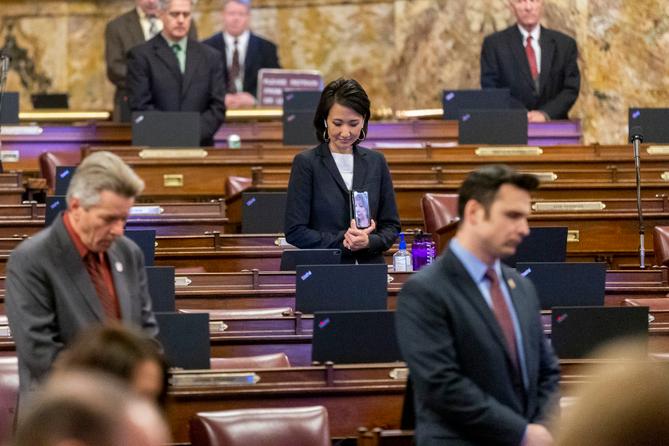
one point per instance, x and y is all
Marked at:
(474, 266)
(536, 33)
(78, 244)
(242, 39)
(183, 43)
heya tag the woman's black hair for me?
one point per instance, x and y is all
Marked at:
(346, 92)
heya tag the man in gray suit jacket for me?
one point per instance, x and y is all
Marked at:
(121, 35)
(78, 272)
(470, 328)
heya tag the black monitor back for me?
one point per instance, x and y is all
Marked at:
(544, 244)
(146, 240)
(263, 212)
(566, 284)
(9, 108)
(63, 177)
(653, 123)
(290, 258)
(166, 129)
(492, 127)
(341, 287)
(350, 337)
(185, 339)
(492, 98)
(161, 288)
(577, 331)
(299, 108)
(53, 206)
(50, 100)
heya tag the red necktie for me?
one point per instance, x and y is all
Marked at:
(503, 314)
(107, 299)
(234, 70)
(531, 57)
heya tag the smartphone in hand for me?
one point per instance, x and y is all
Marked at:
(360, 202)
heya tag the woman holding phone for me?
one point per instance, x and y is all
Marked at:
(326, 181)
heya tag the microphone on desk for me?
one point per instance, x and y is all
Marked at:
(636, 138)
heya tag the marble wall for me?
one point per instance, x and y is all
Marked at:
(403, 51)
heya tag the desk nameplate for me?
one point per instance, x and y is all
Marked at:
(509, 151)
(571, 206)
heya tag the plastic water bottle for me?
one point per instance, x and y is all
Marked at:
(402, 258)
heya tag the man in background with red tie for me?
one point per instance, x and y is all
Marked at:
(79, 271)
(244, 53)
(122, 34)
(470, 328)
(538, 64)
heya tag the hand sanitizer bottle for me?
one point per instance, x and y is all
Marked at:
(402, 258)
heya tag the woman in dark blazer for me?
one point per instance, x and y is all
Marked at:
(319, 211)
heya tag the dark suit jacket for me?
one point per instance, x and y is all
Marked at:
(121, 35)
(261, 53)
(459, 366)
(318, 207)
(51, 298)
(155, 82)
(504, 65)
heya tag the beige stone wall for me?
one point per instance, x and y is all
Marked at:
(403, 51)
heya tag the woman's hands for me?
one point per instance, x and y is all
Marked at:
(356, 239)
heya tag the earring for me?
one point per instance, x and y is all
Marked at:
(325, 136)
(362, 136)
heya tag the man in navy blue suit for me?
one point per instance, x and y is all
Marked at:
(244, 53)
(470, 327)
(539, 65)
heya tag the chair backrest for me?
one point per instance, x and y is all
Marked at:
(291, 426)
(439, 210)
(661, 245)
(235, 184)
(48, 161)
(251, 362)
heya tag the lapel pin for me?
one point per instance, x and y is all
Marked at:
(511, 284)
(119, 267)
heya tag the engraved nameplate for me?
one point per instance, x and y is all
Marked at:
(573, 236)
(401, 373)
(574, 206)
(184, 379)
(21, 130)
(508, 151)
(217, 326)
(181, 281)
(665, 176)
(9, 156)
(146, 210)
(545, 177)
(172, 153)
(658, 150)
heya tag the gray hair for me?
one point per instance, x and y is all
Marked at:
(103, 171)
(164, 4)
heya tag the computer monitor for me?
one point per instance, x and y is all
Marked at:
(50, 100)
(263, 212)
(9, 108)
(489, 99)
(64, 175)
(166, 129)
(299, 108)
(350, 337)
(492, 127)
(544, 244)
(161, 288)
(653, 123)
(290, 258)
(146, 240)
(576, 332)
(341, 287)
(566, 284)
(185, 339)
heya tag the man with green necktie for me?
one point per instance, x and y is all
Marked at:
(173, 72)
